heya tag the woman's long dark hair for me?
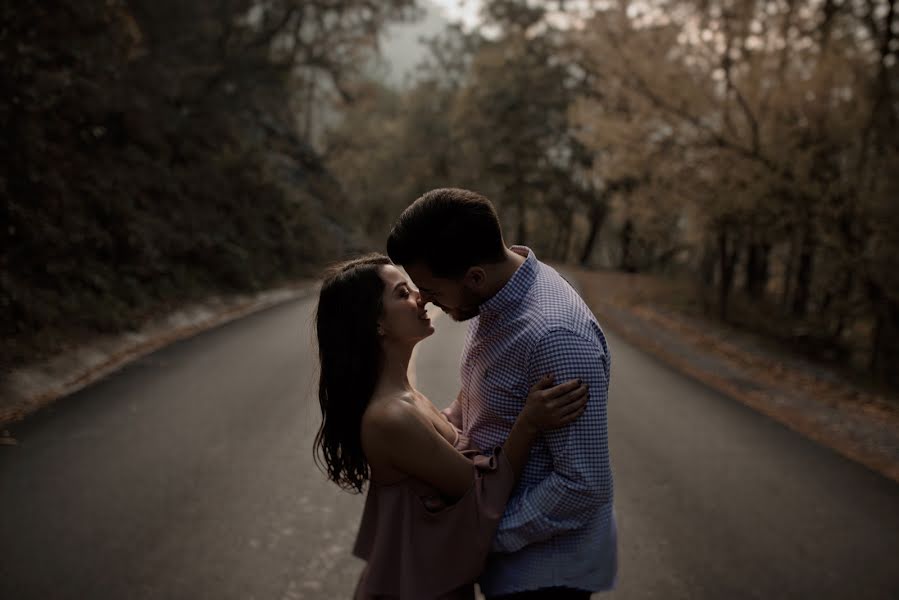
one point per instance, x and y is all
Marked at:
(349, 349)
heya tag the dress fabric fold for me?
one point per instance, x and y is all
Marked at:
(419, 547)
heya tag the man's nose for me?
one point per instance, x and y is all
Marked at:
(423, 302)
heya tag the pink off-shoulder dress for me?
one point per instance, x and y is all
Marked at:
(418, 547)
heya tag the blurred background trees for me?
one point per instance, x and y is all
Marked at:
(749, 144)
(155, 153)
(159, 151)
(779, 120)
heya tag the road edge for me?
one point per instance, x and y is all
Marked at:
(793, 420)
(37, 386)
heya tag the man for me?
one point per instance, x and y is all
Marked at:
(557, 538)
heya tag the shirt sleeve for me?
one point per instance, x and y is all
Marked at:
(581, 477)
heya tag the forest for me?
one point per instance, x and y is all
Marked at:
(749, 146)
(158, 152)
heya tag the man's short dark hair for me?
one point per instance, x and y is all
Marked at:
(448, 230)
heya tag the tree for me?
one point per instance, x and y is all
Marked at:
(762, 114)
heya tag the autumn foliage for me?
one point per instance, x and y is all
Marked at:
(751, 146)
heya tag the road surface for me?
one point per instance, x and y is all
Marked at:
(189, 475)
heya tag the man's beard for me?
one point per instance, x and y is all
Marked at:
(469, 309)
(464, 313)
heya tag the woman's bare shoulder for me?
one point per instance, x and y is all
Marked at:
(389, 418)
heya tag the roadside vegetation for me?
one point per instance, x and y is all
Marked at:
(746, 151)
(154, 154)
(746, 148)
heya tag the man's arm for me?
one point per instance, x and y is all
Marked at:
(581, 479)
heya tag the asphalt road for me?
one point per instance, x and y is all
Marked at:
(189, 475)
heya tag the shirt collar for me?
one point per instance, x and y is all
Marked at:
(511, 294)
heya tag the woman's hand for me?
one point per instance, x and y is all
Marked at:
(548, 407)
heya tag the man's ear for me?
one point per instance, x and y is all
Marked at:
(475, 278)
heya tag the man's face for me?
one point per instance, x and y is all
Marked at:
(452, 296)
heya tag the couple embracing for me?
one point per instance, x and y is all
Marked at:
(511, 486)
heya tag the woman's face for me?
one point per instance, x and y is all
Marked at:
(404, 317)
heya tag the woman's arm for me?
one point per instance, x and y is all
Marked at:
(411, 444)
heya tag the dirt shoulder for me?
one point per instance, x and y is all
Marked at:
(26, 390)
(862, 425)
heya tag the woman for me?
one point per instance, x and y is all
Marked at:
(433, 504)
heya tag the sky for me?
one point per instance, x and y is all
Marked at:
(465, 11)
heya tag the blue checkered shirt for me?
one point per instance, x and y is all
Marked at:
(558, 528)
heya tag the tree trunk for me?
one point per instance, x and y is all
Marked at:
(707, 264)
(788, 274)
(728, 252)
(521, 238)
(804, 269)
(843, 304)
(884, 336)
(627, 236)
(598, 214)
(566, 238)
(308, 108)
(757, 270)
(558, 238)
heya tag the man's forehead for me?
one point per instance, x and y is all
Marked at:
(419, 271)
(422, 276)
